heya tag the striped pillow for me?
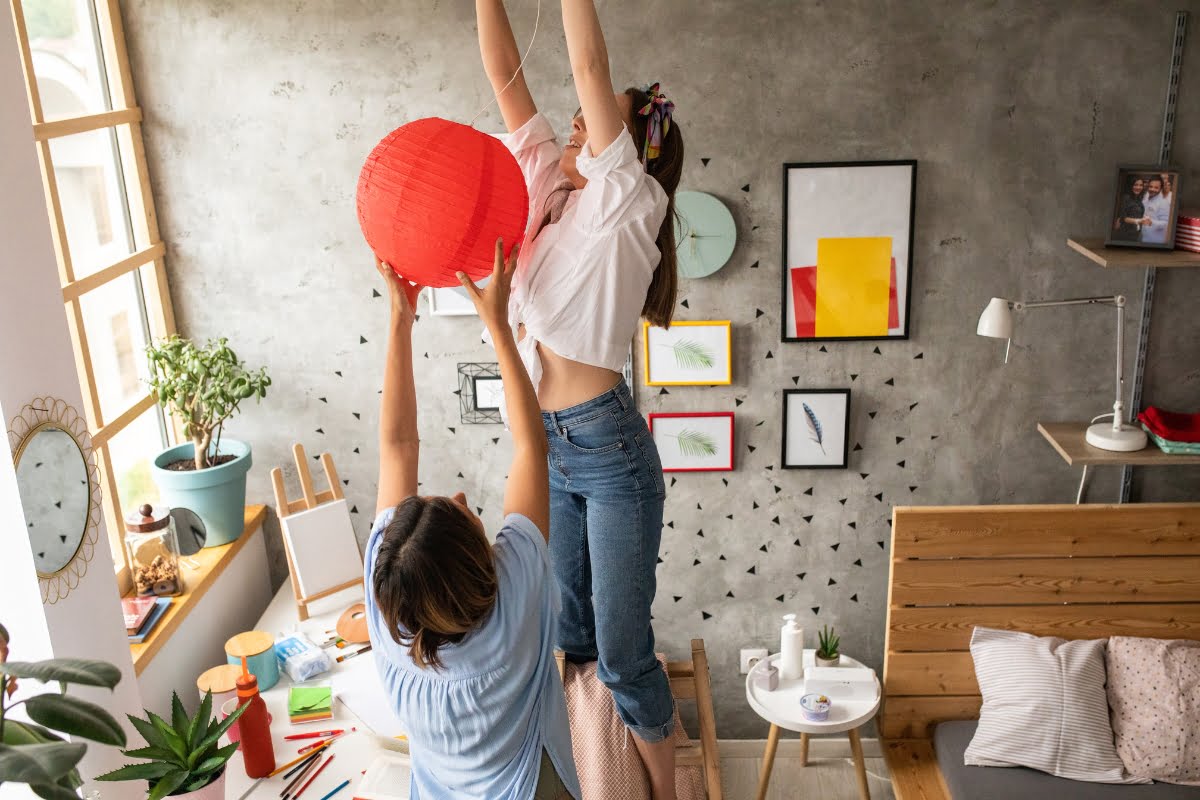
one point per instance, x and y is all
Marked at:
(1044, 707)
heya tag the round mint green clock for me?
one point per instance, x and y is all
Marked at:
(705, 234)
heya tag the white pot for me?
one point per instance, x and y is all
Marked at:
(213, 791)
(829, 662)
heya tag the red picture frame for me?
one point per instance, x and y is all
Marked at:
(707, 446)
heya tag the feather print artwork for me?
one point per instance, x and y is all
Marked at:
(814, 426)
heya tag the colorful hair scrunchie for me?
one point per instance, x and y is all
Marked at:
(659, 111)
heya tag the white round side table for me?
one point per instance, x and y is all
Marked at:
(781, 708)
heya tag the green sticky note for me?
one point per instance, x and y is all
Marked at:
(307, 699)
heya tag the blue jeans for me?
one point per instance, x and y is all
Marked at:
(606, 516)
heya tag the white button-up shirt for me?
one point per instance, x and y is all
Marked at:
(581, 282)
(1158, 209)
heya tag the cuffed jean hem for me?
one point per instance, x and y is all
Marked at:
(655, 734)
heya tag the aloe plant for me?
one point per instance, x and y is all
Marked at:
(828, 641)
(203, 386)
(33, 752)
(182, 755)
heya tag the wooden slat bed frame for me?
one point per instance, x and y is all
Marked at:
(1086, 571)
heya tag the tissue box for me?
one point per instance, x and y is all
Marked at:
(843, 683)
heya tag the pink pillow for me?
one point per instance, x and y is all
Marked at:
(1154, 699)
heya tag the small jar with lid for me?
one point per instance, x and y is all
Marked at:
(153, 548)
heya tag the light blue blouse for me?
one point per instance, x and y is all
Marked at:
(477, 727)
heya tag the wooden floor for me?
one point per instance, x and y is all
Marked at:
(822, 779)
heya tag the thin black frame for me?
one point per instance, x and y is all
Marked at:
(845, 434)
(783, 264)
(1118, 188)
(475, 379)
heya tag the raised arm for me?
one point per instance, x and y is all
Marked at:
(528, 489)
(399, 445)
(589, 65)
(501, 59)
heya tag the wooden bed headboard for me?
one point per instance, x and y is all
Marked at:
(1087, 571)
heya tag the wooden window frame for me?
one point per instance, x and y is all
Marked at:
(125, 120)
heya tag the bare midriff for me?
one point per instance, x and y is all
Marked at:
(566, 383)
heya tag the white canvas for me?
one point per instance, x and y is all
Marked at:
(800, 448)
(665, 367)
(323, 547)
(489, 393)
(703, 432)
(450, 302)
(845, 202)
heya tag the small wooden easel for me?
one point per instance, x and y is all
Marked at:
(311, 499)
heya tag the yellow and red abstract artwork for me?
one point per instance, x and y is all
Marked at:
(850, 292)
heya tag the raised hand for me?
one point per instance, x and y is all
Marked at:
(491, 302)
(402, 293)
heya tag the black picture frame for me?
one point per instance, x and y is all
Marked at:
(845, 430)
(475, 381)
(468, 410)
(1125, 174)
(784, 268)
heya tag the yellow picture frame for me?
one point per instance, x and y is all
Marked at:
(694, 359)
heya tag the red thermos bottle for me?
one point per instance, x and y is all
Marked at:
(254, 728)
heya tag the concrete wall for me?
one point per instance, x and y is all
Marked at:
(259, 114)
(36, 361)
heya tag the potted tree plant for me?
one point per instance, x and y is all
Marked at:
(203, 387)
(32, 753)
(827, 650)
(183, 758)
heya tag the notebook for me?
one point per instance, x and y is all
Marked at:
(310, 704)
(136, 610)
(388, 778)
(161, 605)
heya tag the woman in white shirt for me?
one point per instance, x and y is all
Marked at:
(599, 254)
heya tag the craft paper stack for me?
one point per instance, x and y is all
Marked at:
(1187, 231)
(1174, 433)
(309, 704)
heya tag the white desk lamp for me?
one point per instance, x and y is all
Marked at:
(996, 321)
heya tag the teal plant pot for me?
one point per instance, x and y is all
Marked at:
(217, 494)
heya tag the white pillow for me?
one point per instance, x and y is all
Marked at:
(1044, 707)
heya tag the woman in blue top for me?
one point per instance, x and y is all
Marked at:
(463, 630)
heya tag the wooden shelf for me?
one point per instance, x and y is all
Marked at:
(1068, 439)
(196, 582)
(1131, 257)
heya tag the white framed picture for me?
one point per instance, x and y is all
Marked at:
(692, 353)
(451, 301)
(700, 442)
(816, 428)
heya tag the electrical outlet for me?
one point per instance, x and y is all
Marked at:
(751, 655)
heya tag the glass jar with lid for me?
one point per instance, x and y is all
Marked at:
(153, 548)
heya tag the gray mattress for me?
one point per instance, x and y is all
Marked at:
(950, 740)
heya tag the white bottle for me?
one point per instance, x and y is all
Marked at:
(791, 649)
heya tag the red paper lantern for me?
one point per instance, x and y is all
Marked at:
(435, 195)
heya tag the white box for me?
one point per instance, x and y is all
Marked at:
(844, 683)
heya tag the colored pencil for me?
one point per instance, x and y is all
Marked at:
(313, 735)
(292, 763)
(304, 770)
(317, 744)
(340, 786)
(298, 767)
(254, 786)
(308, 782)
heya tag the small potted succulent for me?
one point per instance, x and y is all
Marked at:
(203, 387)
(33, 754)
(827, 651)
(183, 758)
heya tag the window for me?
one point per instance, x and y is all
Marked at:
(87, 126)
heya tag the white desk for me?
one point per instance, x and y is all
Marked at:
(782, 709)
(354, 751)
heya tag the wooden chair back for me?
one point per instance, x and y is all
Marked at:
(690, 681)
(1077, 572)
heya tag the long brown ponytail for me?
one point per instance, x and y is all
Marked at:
(659, 307)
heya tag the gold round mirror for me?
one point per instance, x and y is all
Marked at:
(60, 493)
